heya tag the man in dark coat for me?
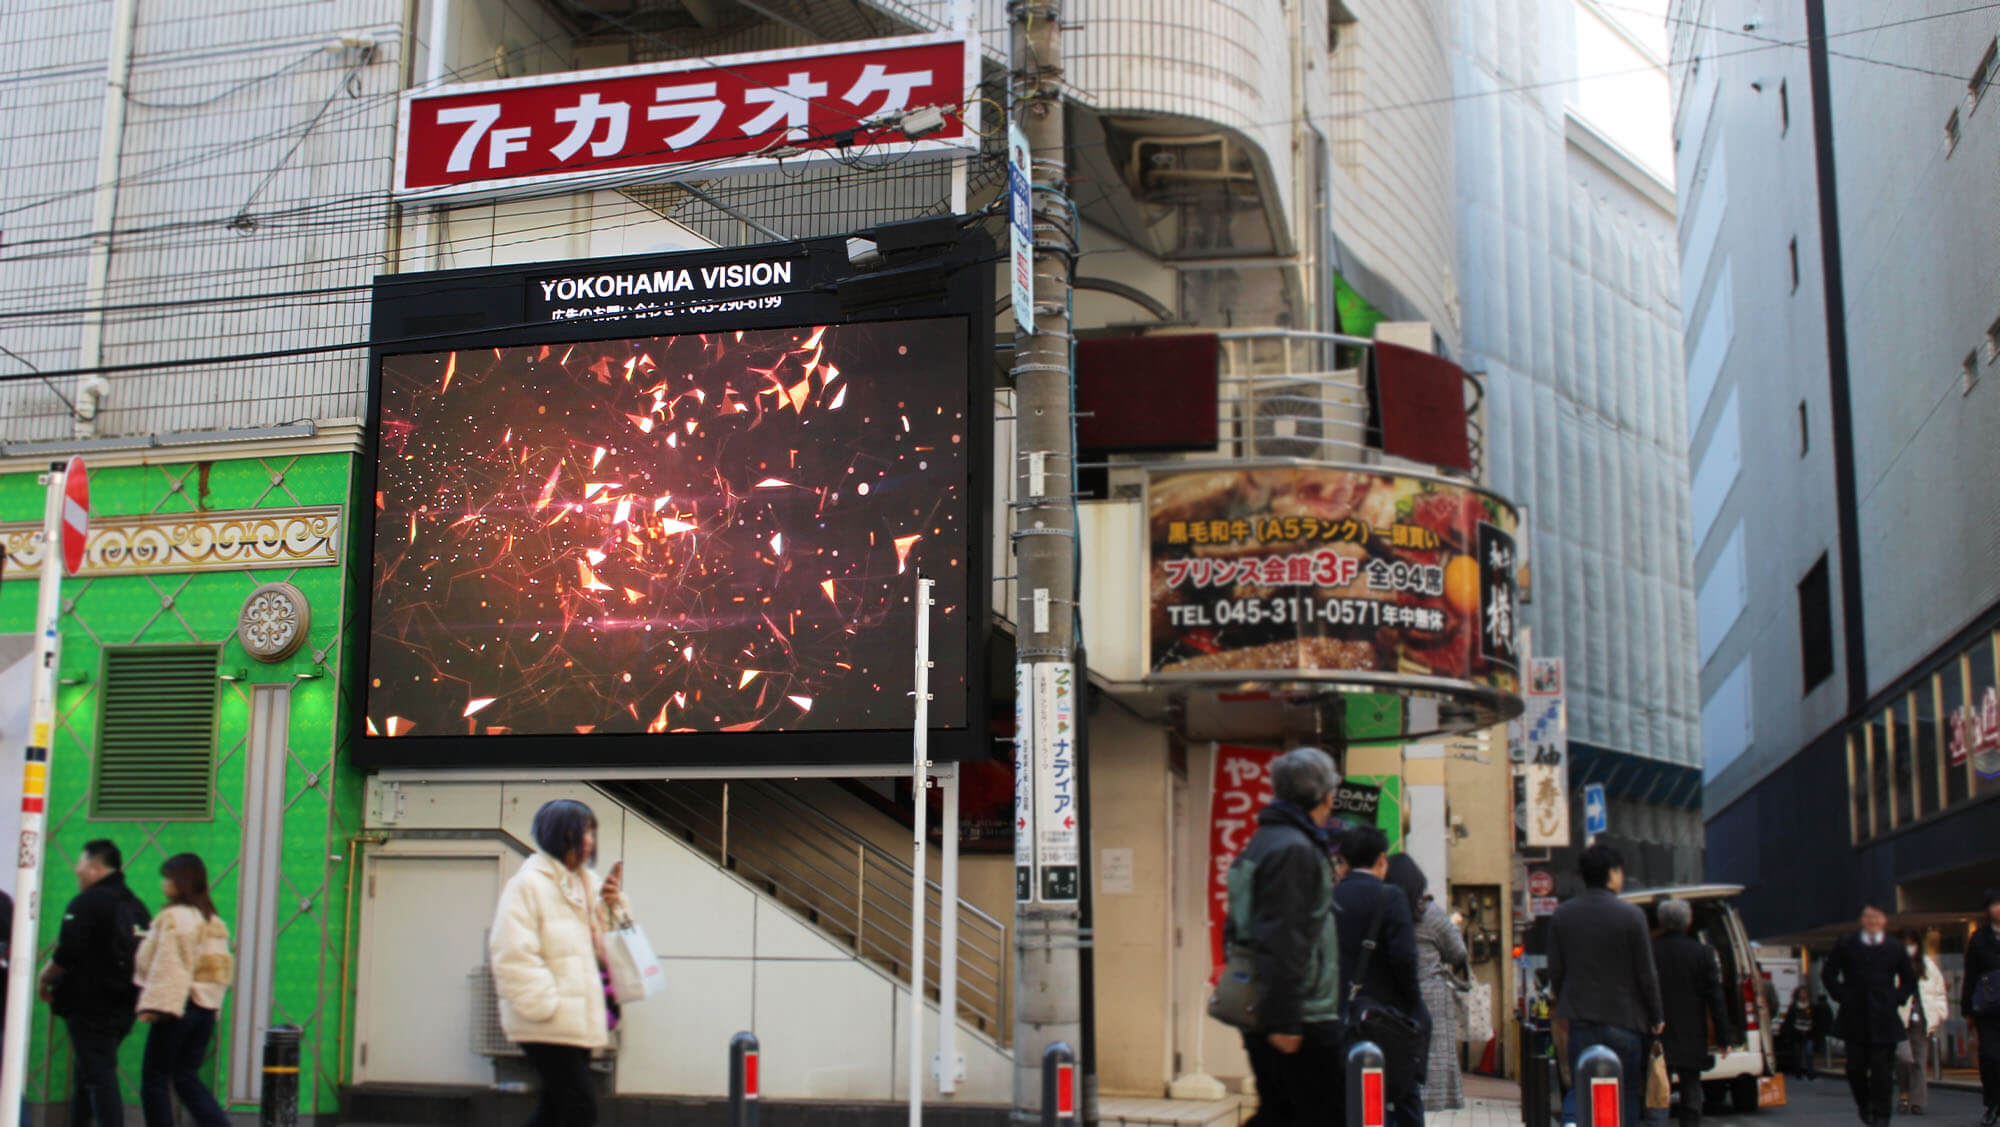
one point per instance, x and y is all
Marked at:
(88, 982)
(1601, 971)
(1982, 958)
(1392, 968)
(1870, 976)
(1281, 912)
(1691, 994)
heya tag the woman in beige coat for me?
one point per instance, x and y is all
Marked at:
(547, 948)
(183, 969)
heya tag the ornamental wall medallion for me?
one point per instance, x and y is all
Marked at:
(274, 622)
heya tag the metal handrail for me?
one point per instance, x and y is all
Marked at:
(848, 887)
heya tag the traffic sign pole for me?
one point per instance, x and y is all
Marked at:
(65, 519)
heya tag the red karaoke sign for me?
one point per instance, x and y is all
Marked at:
(732, 113)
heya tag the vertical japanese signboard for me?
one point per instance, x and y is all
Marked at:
(1543, 755)
(1024, 788)
(1238, 793)
(1021, 227)
(1057, 854)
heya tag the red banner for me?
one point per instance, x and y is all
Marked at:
(1241, 790)
(736, 112)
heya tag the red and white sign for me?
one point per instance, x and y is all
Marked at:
(1241, 790)
(1976, 731)
(1541, 883)
(735, 113)
(76, 515)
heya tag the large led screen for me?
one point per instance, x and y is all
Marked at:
(704, 533)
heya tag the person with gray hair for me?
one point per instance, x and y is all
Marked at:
(1691, 994)
(1281, 913)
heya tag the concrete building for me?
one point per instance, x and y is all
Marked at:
(1842, 294)
(183, 295)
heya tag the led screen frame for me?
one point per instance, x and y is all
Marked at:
(786, 286)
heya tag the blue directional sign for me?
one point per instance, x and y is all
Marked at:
(1595, 818)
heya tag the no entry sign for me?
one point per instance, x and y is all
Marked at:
(76, 515)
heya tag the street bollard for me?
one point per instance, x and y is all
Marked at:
(279, 1105)
(1599, 1095)
(1058, 1086)
(743, 1080)
(1534, 1081)
(1552, 1087)
(1366, 1099)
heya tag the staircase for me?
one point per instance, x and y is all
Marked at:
(846, 886)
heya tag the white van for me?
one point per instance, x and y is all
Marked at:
(1747, 1050)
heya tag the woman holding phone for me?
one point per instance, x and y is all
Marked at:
(547, 950)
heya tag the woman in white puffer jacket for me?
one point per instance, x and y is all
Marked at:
(547, 949)
(1922, 1015)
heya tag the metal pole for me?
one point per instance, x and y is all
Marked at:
(278, 1102)
(947, 1043)
(437, 66)
(743, 1080)
(1047, 925)
(919, 790)
(34, 789)
(1599, 1095)
(1367, 1101)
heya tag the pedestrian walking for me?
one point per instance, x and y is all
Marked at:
(88, 981)
(1281, 912)
(1922, 1015)
(1376, 928)
(184, 968)
(1440, 959)
(1980, 1001)
(1602, 975)
(547, 950)
(1799, 1035)
(1690, 996)
(1870, 976)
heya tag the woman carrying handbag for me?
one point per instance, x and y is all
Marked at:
(183, 970)
(549, 965)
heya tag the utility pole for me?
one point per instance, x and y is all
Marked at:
(1048, 932)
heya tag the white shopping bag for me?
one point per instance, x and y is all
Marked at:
(635, 972)
(1478, 1007)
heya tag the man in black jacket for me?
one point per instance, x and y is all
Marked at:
(1601, 972)
(1982, 958)
(1391, 975)
(1870, 976)
(1281, 909)
(1691, 995)
(89, 981)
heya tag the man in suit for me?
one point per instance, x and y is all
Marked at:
(1870, 976)
(1691, 995)
(1982, 961)
(1601, 972)
(1391, 977)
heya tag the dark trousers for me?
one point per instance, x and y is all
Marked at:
(1687, 1081)
(1809, 1055)
(1871, 1076)
(569, 1095)
(175, 1048)
(1629, 1046)
(1989, 1059)
(1297, 1089)
(93, 1042)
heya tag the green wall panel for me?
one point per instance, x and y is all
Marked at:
(322, 791)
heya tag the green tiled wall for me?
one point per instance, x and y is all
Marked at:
(323, 791)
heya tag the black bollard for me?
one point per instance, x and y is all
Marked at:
(279, 1105)
(1367, 1101)
(1058, 1086)
(1599, 1098)
(1534, 1095)
(743, 1080)
(1552, 1089)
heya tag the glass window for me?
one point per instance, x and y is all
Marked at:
(1930, 765)
(1903, 763)
(1880, 808)
(1951, 695)
(1857, 788)
(1985, 762)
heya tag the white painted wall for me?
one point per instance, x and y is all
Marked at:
(829, 1024)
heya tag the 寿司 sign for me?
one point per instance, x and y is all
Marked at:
(734, 113)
